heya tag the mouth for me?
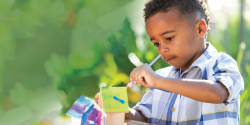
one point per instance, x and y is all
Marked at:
(170, 59)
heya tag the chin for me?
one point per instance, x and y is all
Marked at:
(175, 66)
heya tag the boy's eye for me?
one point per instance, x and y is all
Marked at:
(156, 44)
(169, 38)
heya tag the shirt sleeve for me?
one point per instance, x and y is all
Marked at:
(224, 69)
(145, 105)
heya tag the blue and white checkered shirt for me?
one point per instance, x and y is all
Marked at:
(163, 107)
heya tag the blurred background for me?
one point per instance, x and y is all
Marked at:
(53, 51)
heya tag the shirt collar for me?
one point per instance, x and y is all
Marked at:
(201, 62)
(208, 54)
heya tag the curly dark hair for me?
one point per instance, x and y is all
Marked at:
(186, 7)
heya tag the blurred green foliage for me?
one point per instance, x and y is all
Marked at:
(53, 51)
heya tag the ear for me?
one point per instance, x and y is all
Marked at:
(201, 28)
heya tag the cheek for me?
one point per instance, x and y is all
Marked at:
(183, 51)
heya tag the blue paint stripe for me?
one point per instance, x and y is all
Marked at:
(119, 100)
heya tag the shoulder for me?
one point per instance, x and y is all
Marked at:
(222, 56)
(164, 71)
(222, 61)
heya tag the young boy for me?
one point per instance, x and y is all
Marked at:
(202, 87)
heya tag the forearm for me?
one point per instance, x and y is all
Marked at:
(200, 90)
(135, 115)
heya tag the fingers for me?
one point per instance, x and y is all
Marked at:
(97, 96)
(142, 81)
(133, 76)
(137, 75)
(140, 78)
(136, 78)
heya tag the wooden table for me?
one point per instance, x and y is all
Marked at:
(132, 122)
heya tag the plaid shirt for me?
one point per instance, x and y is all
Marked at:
(163, 107)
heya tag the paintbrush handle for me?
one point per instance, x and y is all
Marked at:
(154, 60)
(132, 82)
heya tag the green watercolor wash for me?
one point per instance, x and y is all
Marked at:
(112, 105)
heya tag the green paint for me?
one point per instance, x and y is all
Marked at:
(112, 105)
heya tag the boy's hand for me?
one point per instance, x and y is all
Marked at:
(144, 75)
(98, 99)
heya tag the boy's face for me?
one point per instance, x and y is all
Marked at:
(175, 39)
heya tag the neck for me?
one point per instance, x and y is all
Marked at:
(196, 56)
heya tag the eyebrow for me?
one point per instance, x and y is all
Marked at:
(166, 32)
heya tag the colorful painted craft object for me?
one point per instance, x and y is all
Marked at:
(114, 99)
(85, 112)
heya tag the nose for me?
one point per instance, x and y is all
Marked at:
(163, 49)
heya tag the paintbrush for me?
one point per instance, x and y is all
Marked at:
(132, 82)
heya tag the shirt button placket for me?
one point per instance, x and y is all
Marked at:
(173, 109)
